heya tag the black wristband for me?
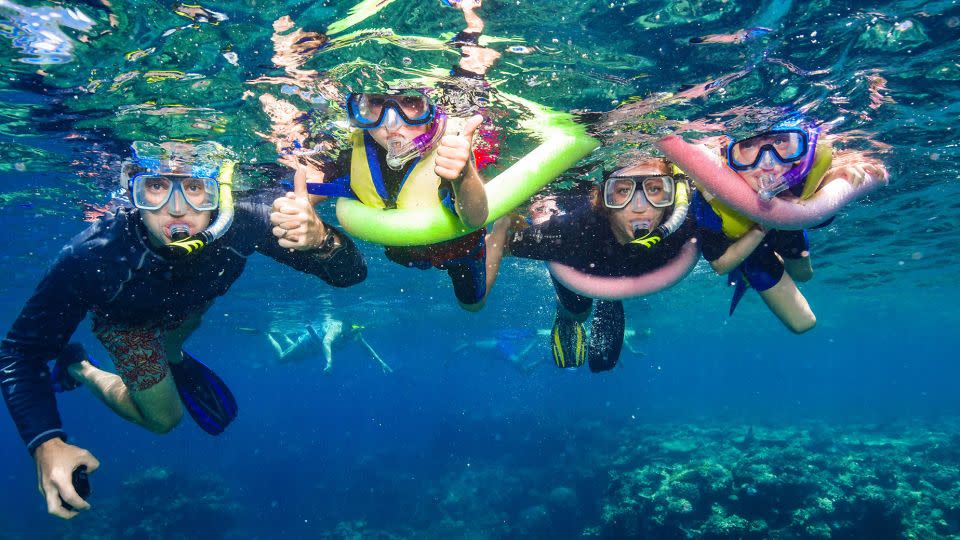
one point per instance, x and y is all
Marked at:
(329, 244)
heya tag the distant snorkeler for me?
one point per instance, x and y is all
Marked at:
(789, 163)
(634, 224)
(146, 275)
(304, 345)
(513, 345)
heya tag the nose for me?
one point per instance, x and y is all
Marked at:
(177, 206)
(639, 202)
(391, 120)
(766, 160)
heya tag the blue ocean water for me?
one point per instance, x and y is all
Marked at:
(457, 442)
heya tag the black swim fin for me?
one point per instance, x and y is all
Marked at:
(204, 394)
(606, 335)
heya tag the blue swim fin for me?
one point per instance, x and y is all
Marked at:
(204, 394)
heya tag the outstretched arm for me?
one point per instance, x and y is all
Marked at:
(855, 167)
(739, 250)
(39, 334)
(294, 235)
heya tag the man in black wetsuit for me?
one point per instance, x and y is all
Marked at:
(610, 236)
(146, 295)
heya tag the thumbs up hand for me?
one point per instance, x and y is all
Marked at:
(454, 151)
(295, 223)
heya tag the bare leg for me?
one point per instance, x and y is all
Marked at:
(788, 304)
(518, 360)
(277, 348)
(800, 270)
(144, 392)
(332, 330)
(496, 244)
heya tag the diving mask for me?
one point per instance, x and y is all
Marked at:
(370, 111)
(655, 190)
(153, 192)
(199, 174)
(784, 146)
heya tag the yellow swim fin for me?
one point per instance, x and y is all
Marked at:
(568, 343)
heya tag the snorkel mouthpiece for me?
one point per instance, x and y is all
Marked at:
(399, 153)
(640, 229)
(771, 186)
(395, 151)
(179, 232)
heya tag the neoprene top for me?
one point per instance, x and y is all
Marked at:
(111, 270)
(583, 240)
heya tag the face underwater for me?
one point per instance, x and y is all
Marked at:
(173, 218)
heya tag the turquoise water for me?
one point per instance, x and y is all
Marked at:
(716, 427)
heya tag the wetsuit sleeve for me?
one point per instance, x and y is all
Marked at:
(545, 242)
(341, 267)
(38, 335)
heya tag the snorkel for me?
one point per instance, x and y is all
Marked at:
(400, 153)
(647, 238)
(771, 186)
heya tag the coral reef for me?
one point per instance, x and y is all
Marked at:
(811, 481)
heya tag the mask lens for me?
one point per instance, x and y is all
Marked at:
(786, 146)
(659, 190)
(370, 107)
(415, 107)
(151, 192)
(200, 193)
(617, 192)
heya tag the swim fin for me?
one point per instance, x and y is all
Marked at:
(568, 342)
(606, 335)
(204, 394)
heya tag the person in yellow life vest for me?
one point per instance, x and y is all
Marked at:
(784, 162)
(407, 154)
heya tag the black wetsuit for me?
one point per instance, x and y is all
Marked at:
(111, 271)
(583, 239)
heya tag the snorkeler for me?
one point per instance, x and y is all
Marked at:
(305, 344)
(146, 275)
(787, 163)
(635, 223)
(511, 344)
(406, 152)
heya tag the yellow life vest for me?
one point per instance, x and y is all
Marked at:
(418, 188)
(736, 224)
